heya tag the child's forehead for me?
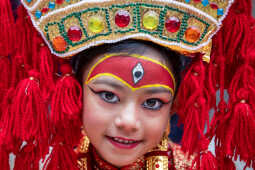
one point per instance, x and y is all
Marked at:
(133, 70)
(148, 52)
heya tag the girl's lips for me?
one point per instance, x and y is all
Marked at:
(123, 143)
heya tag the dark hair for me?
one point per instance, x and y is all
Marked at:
(81, 60)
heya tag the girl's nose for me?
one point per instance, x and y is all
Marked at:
(127, 119)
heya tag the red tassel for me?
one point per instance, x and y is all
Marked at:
(226, 163)
(195, 110)
(27, 158)
(66, 107)
(5, 78)
(240, 139)
(240, 119)
(205, 160)
(7, 31)
(4, 159)
(242, 6)
(7, 140)
(62, 157)
(232, 34)
(46, 67)
(30, 110)
(26, 116)
(24, 40)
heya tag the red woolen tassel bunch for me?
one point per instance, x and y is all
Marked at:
(240, 138)
(205, 160)
(27, 158)
(225, 163)
(30, 109)
(5, 79)
(66, 107)
(26, 115)
(233, 55)
(7, 139)
(47, 71)
(24, 40)
(7, 29)
(7, 34)
(243, 6)
(4, 159)
(193, 106)
(62, 157)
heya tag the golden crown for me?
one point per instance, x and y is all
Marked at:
(70, 26)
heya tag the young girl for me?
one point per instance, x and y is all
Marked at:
(111, 109)
(128, 91)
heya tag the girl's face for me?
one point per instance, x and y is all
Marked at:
(121, 123)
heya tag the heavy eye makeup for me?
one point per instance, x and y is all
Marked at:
(110, 97)
(106, 96)
(153, 104)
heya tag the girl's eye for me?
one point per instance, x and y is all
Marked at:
(108, 97)
(153, 104)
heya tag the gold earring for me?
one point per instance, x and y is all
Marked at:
(83, 150)
(157, 159)
(84, 144)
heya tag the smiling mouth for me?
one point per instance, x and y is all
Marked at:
(123, 143)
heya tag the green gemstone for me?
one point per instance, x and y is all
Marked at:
(96, 24)
(150, 20)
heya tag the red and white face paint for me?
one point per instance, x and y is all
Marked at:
(134, 71)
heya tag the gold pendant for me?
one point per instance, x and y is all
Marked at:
(83, 148)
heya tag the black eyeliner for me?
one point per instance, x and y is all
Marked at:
(93, 90)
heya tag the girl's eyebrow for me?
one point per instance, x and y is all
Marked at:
(156, 90)
(109, 83)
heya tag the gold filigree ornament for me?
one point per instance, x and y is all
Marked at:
(83, 149)
(71, 26)
(157, 159)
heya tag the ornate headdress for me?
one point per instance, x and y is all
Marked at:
(41, 100)
(68, 27)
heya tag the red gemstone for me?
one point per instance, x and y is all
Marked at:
(172, 24)
(44, 10)
(122, 18)
(214, 6)
(197, 0)
(59, 1)
(157, 165)
(74, 33)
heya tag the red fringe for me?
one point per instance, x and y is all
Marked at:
(24, 40)
(66, 107)
(205, 160)
(7, 29)
(47, 71)
(25, 117)
(237, 136)
(193, 106)
(7, 140)
(5, 79)
(27, 158)
(226, 163)
(242, 6)
(30, 111)
(4, 159)
(62, 157)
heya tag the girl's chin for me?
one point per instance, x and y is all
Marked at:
(120, 160)
(123, 163)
